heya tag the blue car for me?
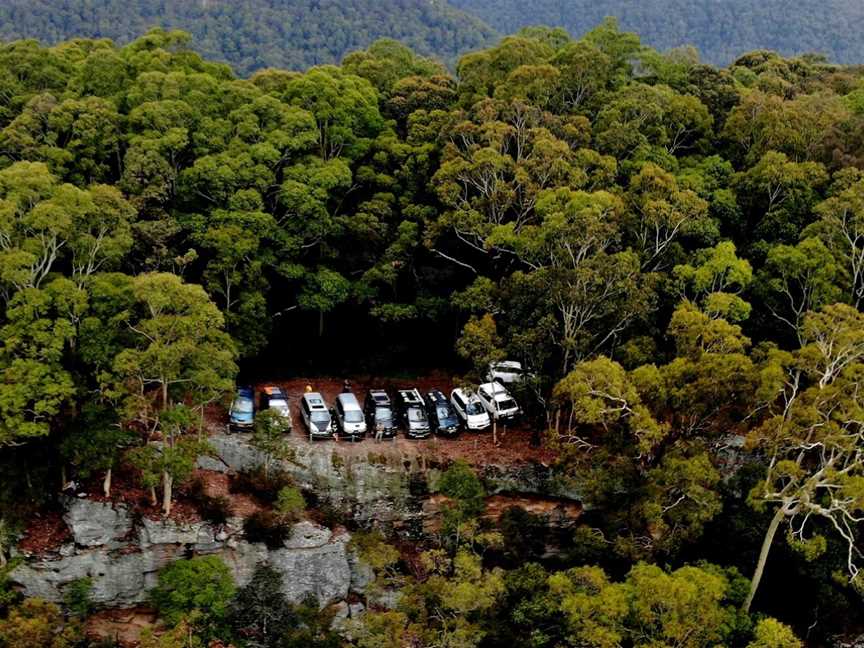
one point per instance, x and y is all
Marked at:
(241, 416)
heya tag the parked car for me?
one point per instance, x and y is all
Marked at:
(442, 417)
(274, 398)
(316, 416)
(470, 409)
(506, 372)
(412, 412)
(350, 421)
(380, 415)
(241, 415)
(498, 401)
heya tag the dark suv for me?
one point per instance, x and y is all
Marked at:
(412, 413)
(442, 417)
(380, 414)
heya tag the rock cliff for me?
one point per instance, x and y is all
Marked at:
(371, 484)
(123, 558)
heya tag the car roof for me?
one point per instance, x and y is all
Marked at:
(494, 388)
(436, 395)
(380, 396)
(464, 393)
(411, 396)
(348, 400)
(506, 364)
(245, 392)
(315, 401)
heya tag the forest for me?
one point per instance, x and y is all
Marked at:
(255, 34)
(674, 251)
(297, 34)
(721, 31)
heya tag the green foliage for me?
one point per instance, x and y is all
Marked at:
(466, 493)
(38, 623)
(202, 586)
(721, 33)
(290, 504)
(266, 34)
(269, 437)
(260, 613)
(690, 606)
(76, 597)
(629, 224)
(770, 633)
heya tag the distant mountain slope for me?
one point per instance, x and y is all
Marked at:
(721, 29)
(252, 34)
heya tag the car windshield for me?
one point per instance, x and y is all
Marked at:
(353, 416)
(416, 414)
(242, 406)
(444, 412)
(278, 404)
(383, 414)
(506, 404)
(473, 408)
(321, 417)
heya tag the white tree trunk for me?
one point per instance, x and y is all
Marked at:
(763, 556)
(167, 485)
(106, 483)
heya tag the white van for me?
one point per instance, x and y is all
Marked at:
(470, 409)
(350, 421)
(316, 416)
(498, 401)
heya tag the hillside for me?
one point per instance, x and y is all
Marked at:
(253, 34)
(721, 30)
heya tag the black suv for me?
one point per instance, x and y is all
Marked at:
(442, 416)
(412, 413)
(380, 414)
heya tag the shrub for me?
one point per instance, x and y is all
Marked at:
(262, 615)
(76, 597)
(465, 490)
(524, 534)
(290, 504)
(201, 586)
(37, 623)
(461, 484)
(265, 486)
(267, 527)
(215, 510)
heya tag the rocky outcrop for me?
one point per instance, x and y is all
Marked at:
(376, 485)
(372, 484)
(94, 524)
(314, 561)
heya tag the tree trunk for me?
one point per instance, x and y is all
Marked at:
(495, 430)
(63, 479)
(106, 483)
(167, 483)
(763, 556)
(153, 500)
(320, 323)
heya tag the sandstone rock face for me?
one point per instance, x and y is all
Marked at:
(94, 524)
(313, 562)
(374, 485)
(379, 487)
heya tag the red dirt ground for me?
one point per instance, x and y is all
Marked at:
(124, 626)
(45, 532)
